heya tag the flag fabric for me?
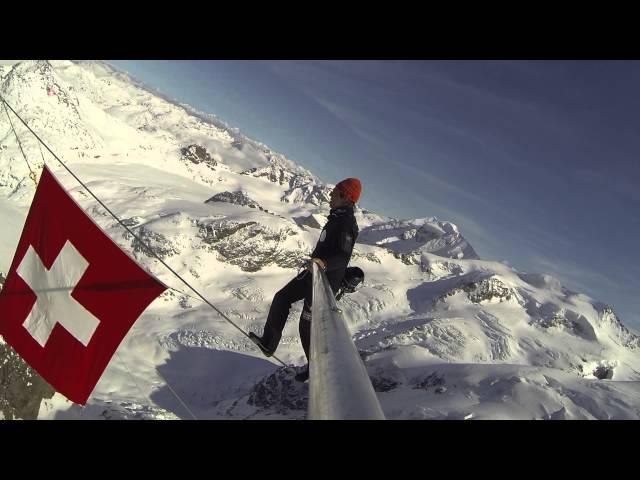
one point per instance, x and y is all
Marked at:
(71, 294)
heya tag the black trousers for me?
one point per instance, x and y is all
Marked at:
(299, 288)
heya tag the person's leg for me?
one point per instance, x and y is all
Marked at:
(279, 311)
(304, 327)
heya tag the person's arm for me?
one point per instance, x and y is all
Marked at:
(341, 246)
(321, 263)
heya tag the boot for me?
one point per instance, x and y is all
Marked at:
(303, 376)
(264, 348)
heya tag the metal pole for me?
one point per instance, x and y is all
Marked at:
(339, 386)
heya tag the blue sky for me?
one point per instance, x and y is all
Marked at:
(535, 161)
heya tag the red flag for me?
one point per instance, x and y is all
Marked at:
(71, 294)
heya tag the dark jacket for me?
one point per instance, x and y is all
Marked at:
(336, 243)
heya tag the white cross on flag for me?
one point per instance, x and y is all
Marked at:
(71, 294)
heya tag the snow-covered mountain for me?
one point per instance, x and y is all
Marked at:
(444, 334)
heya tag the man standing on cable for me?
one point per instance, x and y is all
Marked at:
(332, 254)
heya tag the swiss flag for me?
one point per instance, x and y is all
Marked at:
(71, 294)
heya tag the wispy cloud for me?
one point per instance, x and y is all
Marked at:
(366, 129)
(351, 119)
(624, 186)
(375, 83)
(528, 233)
(382, 85)
(578, 277)
(447, 186)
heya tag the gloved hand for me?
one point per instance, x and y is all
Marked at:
(319, 261)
